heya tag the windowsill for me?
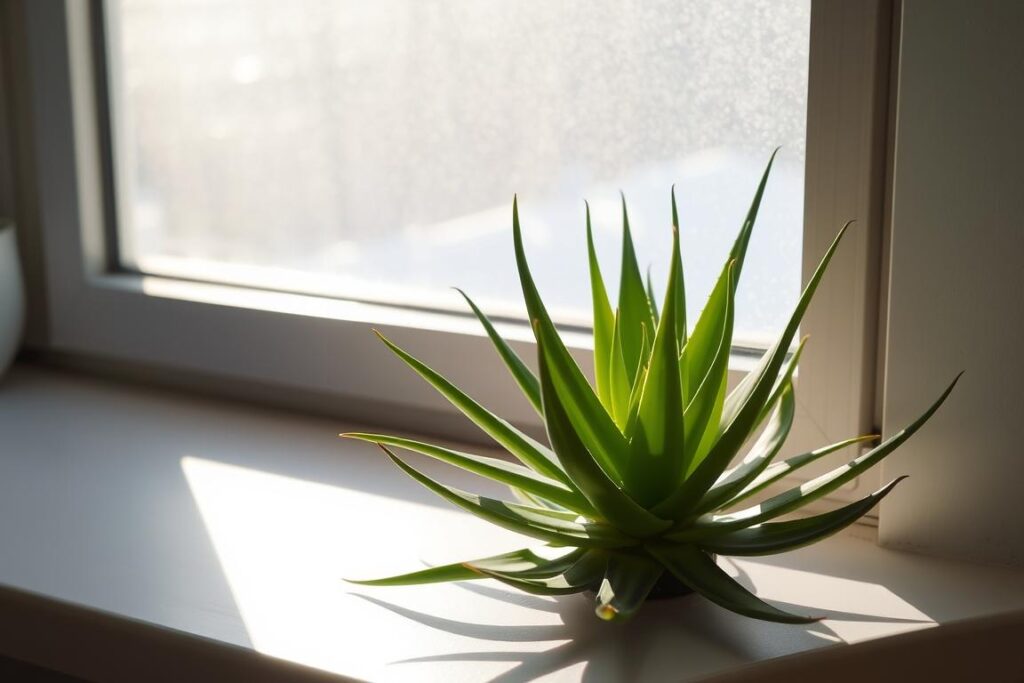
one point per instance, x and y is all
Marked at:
(125, 508)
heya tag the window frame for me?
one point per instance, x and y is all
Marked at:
(324, 347)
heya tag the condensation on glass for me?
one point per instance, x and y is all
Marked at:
(371, 149)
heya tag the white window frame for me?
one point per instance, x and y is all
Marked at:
(286, 343)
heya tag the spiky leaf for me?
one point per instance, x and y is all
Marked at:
(603, 322)
(698, 571)
(523, 376)
(779, 537)
(497, 470)
(589, 418)
(657, 449)
(613, 504)
(528, 451)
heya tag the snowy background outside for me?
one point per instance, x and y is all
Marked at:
(371, 149)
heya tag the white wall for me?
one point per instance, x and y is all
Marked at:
(957, 288)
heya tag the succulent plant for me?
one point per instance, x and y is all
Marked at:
(642, 479)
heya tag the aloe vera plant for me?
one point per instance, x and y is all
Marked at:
(642, 478)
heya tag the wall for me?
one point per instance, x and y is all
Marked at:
(957, 287)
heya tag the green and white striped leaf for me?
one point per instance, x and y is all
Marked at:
(780, 537)
(759, 457)
(777, 470)
(767, 446)
(799, 496)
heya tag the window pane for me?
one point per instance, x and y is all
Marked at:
(371, 149)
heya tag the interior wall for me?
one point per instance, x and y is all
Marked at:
(6, 148)
(956, 299)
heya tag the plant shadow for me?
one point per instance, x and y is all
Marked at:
(647, 647)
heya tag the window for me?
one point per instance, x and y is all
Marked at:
(222, 106)
(164, 198)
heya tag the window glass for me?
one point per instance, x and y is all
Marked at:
(371, 149)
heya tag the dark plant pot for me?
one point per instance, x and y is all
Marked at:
(668, 586)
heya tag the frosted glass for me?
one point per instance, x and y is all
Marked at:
(371, 149)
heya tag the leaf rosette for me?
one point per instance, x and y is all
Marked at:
(647, 473)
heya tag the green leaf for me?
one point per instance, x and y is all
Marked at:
(529, 452)
(618, 378)
(760, 456)
(646, 347)
(611, 503)
(713, 426)
(498, 470)
(785, 379)
(736, 431)
(582, 575)
(697, 570)
(797, 497)
(778, 470)
(701, 355)
(555, 586)
(702, 411)
(627, 583)
(603, 323)
(634, 400)
(533, 566)
(547, 525)
(702, 347)
(517, 560)
(528, 498)
(739, 251)
(656, 462)
(651, 299)
(633, 304)
(766, 447)
(589, 418)
(780, 537)
(522, 374)
(680, 295)
(739, 247)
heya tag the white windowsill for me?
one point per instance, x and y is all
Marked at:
(235, 524)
